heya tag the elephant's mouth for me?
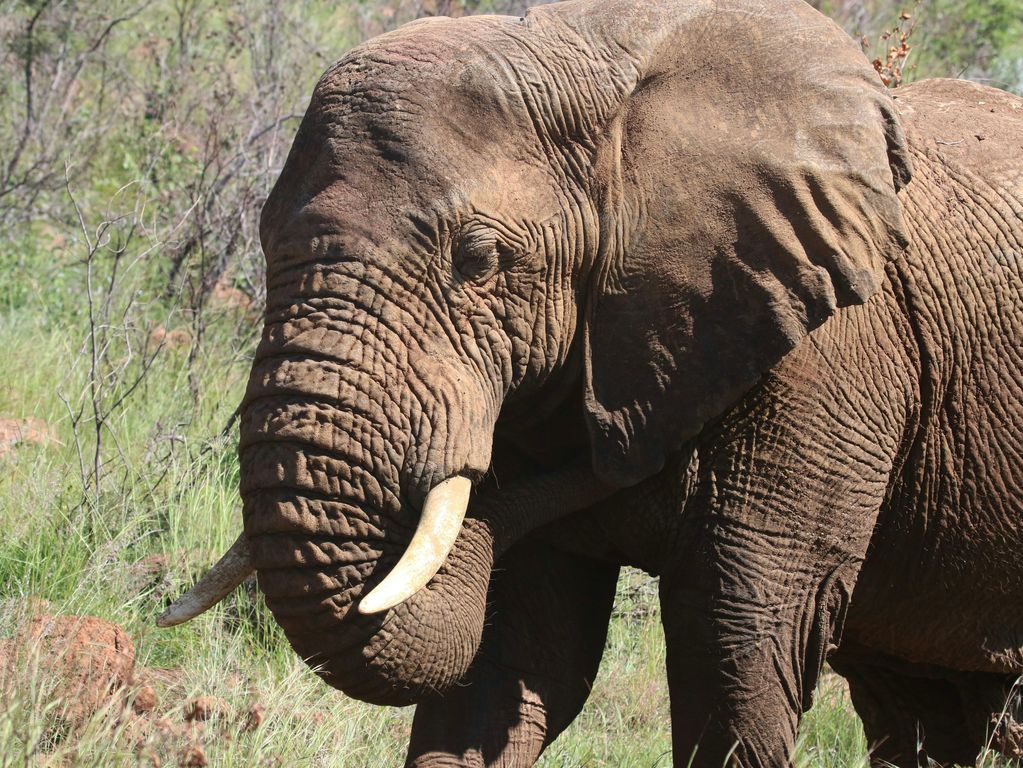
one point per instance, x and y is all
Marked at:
(507, 517)
(415, 632)
(438, 528)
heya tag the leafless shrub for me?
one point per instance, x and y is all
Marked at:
(209, 92)
(237, 146)
(978, 39)
(891, 64)
(59, 94)
(118, 348)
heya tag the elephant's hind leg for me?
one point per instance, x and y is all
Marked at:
(910, 720)
(539, 656)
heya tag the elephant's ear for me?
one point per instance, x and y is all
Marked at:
(748, 188)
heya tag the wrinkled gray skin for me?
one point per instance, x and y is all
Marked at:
(717, 309)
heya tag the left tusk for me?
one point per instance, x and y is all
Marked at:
(230, 571)
(443, 513)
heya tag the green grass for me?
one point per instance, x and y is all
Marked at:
(173, 491)
(83, 559)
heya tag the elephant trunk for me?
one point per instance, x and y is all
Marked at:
(335, 481)
(350, 429)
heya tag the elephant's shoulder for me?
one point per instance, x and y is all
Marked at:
(969, 125)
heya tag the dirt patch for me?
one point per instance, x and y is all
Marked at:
(144, 700)
(179, 734)
(204, 708)
(194, 757)
(228, 297)
(16, 432)
(174, 338)
(84, 661)
(254, 717)
(150, 574)
(86, 666)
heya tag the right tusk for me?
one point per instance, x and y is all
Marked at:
(228, 572)
(443, 512)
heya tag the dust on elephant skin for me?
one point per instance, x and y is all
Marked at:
(668, 296)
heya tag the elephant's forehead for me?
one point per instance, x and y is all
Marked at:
(423, 104)
(431, 63)
(430, 118)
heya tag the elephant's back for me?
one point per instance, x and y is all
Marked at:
(968, 125)
(949, 537)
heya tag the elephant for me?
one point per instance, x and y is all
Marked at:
(678, 285)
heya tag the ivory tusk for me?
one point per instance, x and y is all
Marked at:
(435, 535)
(228, 572)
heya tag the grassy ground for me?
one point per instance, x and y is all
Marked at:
(167, 503)
(84, 557)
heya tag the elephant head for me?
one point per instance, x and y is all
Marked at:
(592, 229)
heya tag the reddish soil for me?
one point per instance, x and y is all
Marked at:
(144, 701)
(89, 664)
(227, 296)
(254, 717)
(175, 338)
(15, 432)
(86, 660)
(193, 757)
(204, 708)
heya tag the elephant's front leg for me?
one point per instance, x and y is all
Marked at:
(540, 653)
(772, 541)
(744, 654)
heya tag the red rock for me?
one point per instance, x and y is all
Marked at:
(229, 297)
(193, 757)
(176, 338)
(15, 432)
(84, 660)
(254, 717)
(203, 708)
(144, 701)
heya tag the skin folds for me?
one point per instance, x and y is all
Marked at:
(666, 297)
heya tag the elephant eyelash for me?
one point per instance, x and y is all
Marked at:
(480, 255)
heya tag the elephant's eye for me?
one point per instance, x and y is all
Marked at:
(478, 256)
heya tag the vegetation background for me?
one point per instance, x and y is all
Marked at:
(138, 140)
